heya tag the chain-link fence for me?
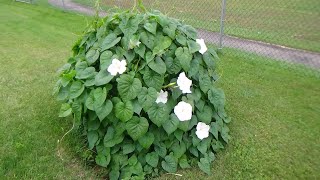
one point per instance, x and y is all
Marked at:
(286, 30)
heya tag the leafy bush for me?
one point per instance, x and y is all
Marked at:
(142, 87)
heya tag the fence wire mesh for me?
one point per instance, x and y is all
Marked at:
(287, 30)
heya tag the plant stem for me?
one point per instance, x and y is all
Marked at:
(169, 85)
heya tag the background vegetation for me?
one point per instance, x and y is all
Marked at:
(292, 23)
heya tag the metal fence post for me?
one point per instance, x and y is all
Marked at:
(64, 7)
(223, 10)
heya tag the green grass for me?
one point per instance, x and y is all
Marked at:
(275, 107)
(292, 23)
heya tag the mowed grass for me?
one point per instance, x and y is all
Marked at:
(275, 108)
(292, 23)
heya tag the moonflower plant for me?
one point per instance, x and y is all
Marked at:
(117, 67)
(131, 84)
(203, 46)
(183, 111)
(162, 97)
(184, 83)
(202, 130)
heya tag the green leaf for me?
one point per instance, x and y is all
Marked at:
(130, 55)
(128, 148)
(183, 162)
(149, 57)
(193, 46)
(128, 87)
(194, 151)
(178, 149)
(158, 114)
(124, 110)
(80, 66)
(225, 133)
(76, 89)
(90, 81)
(137, 127)
(203, 146)
(169, 26)
(184, 56)
(66, 78)
(178, 134)
(214, 130)
(205, 115)
(92, 56)
(146, 140)
(93, 125)
(104, 110)
(200, 104)
(189, 31)
(151, 27)
(93, 137)
(77, 112)
(136, 106)
(141, 49)
(194, 67)
(173, 65)
(193, 122)
(169, 164)
(204, 165)
(162, 43)
(90, 101)
(129, 25)
(210, 156)
(153, 79)
(147, 97)
(216, 97)
(170, 30)
(181, 39)
(65, 110)
(105, 60)
(161, 149)
(102, 78)
(147, 39)
(184, 125)
(102, 160)
(216, 146)
(86, 73)
(99, 96)
(158, 66)
(102, 150)
(176, 93)
(205, 82)
(114, 175)
(65, 68)
(171, 125)
(112, 137)
(109, 41)
(208, 59)
(152, 159)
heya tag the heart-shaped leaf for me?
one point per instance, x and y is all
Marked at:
(170, 163)
(158, 66)
(124, 110)
(128, 86)
(104, 110)
(137, 127)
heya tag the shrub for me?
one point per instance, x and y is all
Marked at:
(142, 87)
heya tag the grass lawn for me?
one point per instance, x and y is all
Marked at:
(275, 108)
(292, 23)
